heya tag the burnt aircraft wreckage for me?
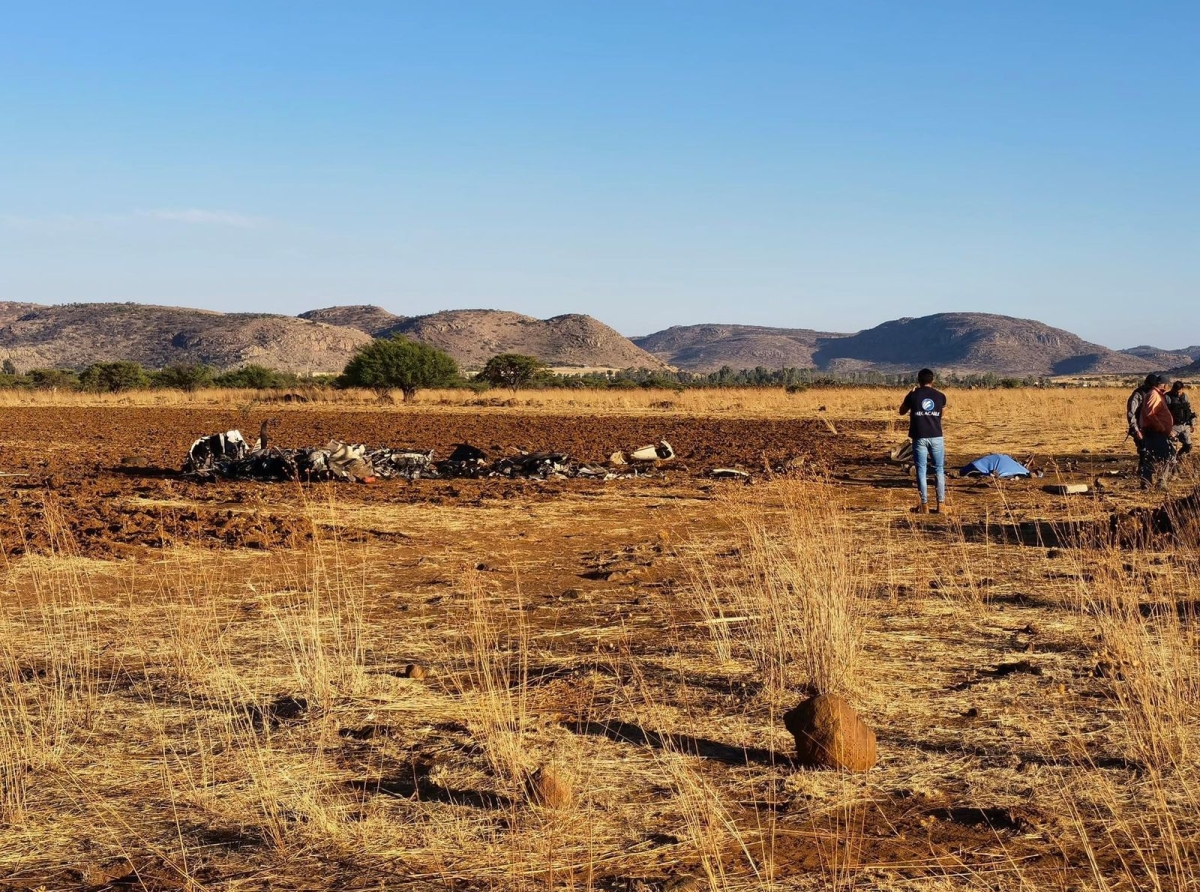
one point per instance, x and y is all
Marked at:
(227, 456)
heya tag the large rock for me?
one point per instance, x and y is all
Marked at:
(829, 734)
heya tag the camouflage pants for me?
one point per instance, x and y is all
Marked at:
(1183, 433)
(1156, 459)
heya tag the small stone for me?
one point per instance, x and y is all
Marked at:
(829, 734)
(415, 671)
(550, 788)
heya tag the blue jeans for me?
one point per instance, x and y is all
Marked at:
(923, 450)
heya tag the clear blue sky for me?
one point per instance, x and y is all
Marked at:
(827, 165)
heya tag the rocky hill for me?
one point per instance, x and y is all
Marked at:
(75, 335)
(960, 342)
(1165, 359)
(375, 321)
(1188, 370)
(474, 336)
(707, 348)
(976, 342)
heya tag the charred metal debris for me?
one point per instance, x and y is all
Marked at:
(227, 456)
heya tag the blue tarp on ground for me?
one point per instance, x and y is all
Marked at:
(997, 465)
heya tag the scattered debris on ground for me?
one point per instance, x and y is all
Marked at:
(1066, 489)
(729, 474)
(228, 456)
(661, 452)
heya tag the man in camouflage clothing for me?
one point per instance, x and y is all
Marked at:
(1185, 418)
(1133, 411)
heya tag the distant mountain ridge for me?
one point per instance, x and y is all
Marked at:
(76, 335)
(1166, 359)
(710, 347)
(959, 342)
(319, 341)
(976, 342)
(323, 340)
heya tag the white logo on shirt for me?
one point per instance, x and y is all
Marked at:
(927, 404)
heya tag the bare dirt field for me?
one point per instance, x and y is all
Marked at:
(518, 684)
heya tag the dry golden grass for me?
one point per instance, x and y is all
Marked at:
(229, 720)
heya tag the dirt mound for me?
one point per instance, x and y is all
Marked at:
(549, 787)
(1178, 519)
(91, 519)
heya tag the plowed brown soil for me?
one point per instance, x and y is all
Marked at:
(103, 465)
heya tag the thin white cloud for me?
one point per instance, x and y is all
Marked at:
(201, 217)
(58, 223)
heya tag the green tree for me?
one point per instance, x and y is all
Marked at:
(53, 379)
(113, 377)
(254, 377)
(398, 363)
(9, 367)
(186, 376)
(512, 370)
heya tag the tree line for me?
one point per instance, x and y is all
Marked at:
(390, 364)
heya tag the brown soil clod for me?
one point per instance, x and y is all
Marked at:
(280, 711)
(549, 787)
(829, 734)
(1017, 667)
(995, 818)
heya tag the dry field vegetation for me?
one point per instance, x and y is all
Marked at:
(580, 685)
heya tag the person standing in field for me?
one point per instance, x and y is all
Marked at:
(1185, 418)
(1156, 423)
(925, 407)
(1133, 411)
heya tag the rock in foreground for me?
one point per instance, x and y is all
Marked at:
(829, 734)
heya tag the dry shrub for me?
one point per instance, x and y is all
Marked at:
(1149, 650)
(495, 685)
(794, 597)
(710, 829)
(48, 665)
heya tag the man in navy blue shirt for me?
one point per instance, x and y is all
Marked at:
(924, 407)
